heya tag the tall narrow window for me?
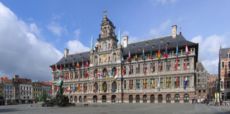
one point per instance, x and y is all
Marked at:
(138, 84)
(130, 84)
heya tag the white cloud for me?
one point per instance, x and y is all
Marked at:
(75, 46)
(209, 50)
(56, 29)
(158, 31)
(22, 52)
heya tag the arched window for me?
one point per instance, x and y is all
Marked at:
(177, 98)
(152, 98)
(114, 71)
(104, 86)
(105, 72)
(168, 98)
(144, 98)
(95, 87)
(130, 98)
(114, 86)
(186, 98)
(85, 87)
(160, 98)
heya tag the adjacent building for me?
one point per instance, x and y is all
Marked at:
(212, 86)
(201, 82)
(23, 89)
(225, 73)
(158, 70)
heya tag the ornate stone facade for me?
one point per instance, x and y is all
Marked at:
(160, 70)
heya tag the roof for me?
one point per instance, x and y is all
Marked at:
(156, 44)
(224, 52)
(136, 48)
(84, 56)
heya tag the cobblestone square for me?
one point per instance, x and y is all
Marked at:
(116, 109)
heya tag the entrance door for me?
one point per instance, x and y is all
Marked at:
(130, 99)
(94, 98)
(103, 98)
(160, 98)
(152, 99)
(113, 98)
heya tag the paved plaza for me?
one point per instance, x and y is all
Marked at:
(117, 109)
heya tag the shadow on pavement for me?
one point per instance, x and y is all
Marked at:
(7, 110)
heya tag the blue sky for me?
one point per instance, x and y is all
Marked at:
(64, 23)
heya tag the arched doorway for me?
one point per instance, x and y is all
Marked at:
(177, 98)
(160, 98)
(85, 98)
(80, 99)
(75, 99)
(114, 87)
(144, 98)
(95, 87)
(71, 99)
(137, 98)
(94, 98)
(168, 98)
(104, 86)
(113, 98)
(152, 99)
(130, 98)
(186, 98)
(103, 98)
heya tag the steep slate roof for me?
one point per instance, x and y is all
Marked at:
(84, 56)
(136, 48)
(156, 44)
(224, 52)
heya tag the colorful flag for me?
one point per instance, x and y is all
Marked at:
(159, 83)
(186, 50)
(143, 54)
(185, 64)
(129, 57)
(166, 52)
(185, 82)
(159, 54)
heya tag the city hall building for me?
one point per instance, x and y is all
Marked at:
(159, 70)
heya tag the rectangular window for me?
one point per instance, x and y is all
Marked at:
(138, 69)
(125, 84)
(152, 83)
(168, 65)
(144, 68)
(144, 83)
(130, 84)
(228, 84)
(131, 69)
(138, 84)
(161, 82)
(152, 67)
(222, 64)
(168, 82)
(177, 82)
(160, 66)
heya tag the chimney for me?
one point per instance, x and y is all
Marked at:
(174, 31)
(66, 52)
(125, 41)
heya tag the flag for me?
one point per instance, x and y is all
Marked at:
(185, 64)
(159, 83)
(177, 81)
(166, 52)
(159, 54)
(151, 54)
(186, 50)
(185, 82)
(143, 54)
(129, 57)
(177, 51)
